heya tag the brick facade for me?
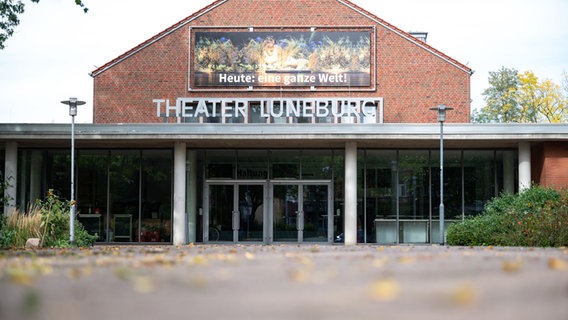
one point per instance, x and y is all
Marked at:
(411, 76)
(550, 164)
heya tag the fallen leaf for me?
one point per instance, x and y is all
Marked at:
(557, 264)
(464, 294)
(512, 266)
(385, 290)
(144, 284)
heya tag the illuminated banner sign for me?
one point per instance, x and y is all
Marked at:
(227, 110)
(282, 59)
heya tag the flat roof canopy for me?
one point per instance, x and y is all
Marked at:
(164, 135)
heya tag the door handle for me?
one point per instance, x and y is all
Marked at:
(236, 220)
(300, 221)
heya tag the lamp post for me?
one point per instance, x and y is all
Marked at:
(72, 103)
(441, 118)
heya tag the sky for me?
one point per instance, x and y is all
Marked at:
(56, 45)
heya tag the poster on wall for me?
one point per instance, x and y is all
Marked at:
(282, 59)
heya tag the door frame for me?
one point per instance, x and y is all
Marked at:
(268, 207)
(235, 212)
(300, 183)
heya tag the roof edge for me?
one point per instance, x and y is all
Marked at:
(215, 4)
(156, 38)
(408, 36)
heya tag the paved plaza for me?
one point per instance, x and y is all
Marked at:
(284, 282)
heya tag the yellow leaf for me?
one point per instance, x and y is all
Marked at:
(464, 294)
(385, 290)
(144, 284)
(512, 266)
(557, 264)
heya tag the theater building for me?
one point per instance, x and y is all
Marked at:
(290, 121)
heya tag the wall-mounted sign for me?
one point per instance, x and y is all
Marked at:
(271, 110)
(281, 59)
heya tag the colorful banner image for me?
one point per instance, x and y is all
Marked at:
(282, 59)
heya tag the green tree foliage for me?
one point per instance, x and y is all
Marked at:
(10, 10)
(522, 98)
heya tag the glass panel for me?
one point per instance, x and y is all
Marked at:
(506, 167)
(58, 173)
(316, 164)
(30, 182)
(323, 113)
(221, 213)
(156, 218)
(413, 196)
(251, 209)
(285, 164)
(452, 185)
(478, 180)
(252, 164)
(124, 193)
(315, 213)
(381, 207)
(92, 181)
(220, 164)
(338, 194)
(255, 113)
(285, 212)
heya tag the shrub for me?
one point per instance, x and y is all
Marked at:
(535, 217)
(55, 224)
(6, 235)
(47, 220)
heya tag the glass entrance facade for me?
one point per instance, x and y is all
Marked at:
(269, 196)
(122, 196)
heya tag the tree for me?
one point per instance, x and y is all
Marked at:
(10, 10)
(541, 101)
(522, 98)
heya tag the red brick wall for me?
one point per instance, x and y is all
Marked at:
(552, 162)
(410, 78)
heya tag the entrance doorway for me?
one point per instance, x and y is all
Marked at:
(267, 212)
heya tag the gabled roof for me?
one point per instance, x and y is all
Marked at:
(217, 3)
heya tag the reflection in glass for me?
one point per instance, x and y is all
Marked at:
(381, 202)
(92, 180)
(124, 201)
(221, 213)
(285, 213)
(251, 198)
(155, 224)
(315, 209)
(479, 180)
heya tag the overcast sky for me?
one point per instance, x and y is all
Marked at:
(56, 45)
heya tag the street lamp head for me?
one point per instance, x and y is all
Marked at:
(441, 112)
(73, 103)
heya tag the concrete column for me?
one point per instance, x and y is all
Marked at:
(180, 221)
(524, 166)
(11, 176)
(191, 196)
(350, 224)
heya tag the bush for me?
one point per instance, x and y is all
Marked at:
(55, 224)
(6, 235)
(536, 217)
(47, 220)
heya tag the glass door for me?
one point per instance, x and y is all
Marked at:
(251, 213)
(301, 212)
(234, 212)
(285, 213)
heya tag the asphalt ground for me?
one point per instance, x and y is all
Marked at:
(284, 282)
